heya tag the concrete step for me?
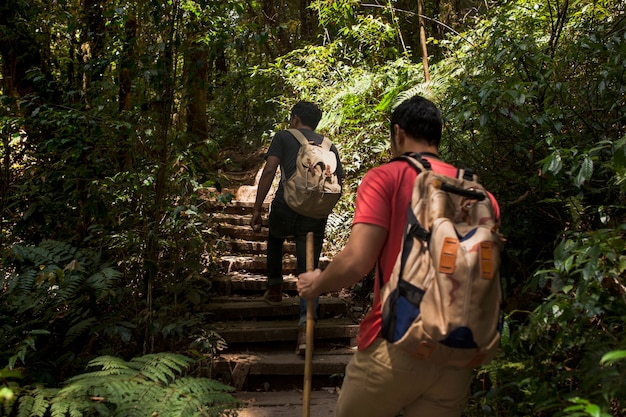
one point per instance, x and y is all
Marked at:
(260, 338)
(247, 371)
(247, 332)
(234, 207)
(258, 263)
(246, 282)
(247, 308)
(237, 219)
(251, 247)
(244, 232)
(287, 403)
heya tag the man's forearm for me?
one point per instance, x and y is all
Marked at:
(265, 182)
(262, 189)
(343, 272)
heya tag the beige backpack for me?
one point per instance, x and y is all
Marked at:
(443, 301)
(314, 189)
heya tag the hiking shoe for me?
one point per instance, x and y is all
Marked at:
(301, 342)
(274, 295)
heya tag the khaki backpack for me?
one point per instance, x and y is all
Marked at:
(314, 189)
(443, 300)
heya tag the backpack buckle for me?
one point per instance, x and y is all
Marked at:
(418, 231)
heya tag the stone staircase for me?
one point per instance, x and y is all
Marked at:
(261, 338)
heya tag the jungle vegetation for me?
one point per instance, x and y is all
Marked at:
(117, 116)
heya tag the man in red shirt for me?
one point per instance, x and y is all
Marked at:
(382, 380)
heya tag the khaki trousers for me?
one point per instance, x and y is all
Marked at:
(382, 381)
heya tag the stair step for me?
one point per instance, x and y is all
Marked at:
(244, 232)
(284, 363)
(237, 219)
(235, 332)
(254, 247)
(258, 263)
(242, 282)
(287, 403)
(238, 369)
(234, 207)
(240, 308)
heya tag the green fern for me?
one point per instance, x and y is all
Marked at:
(55, 272)
(77, 329)
(147, 385)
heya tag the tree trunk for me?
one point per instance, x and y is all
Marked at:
(126, 73)
(420, 12)
(196, 76)
(162, 158)
(92, 42)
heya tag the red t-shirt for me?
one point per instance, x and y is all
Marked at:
(382, 200)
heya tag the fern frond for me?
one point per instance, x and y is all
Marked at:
(103, 280)
(58, 252)
(191, 384)
(136, 388)
(66, 404)
(71, 287)
(25, 406)
(422, 89)
(25, 282)
(78, 329)
(59, 409)
(107, 363)
(35, 404)
(158, 367)
(199, 396)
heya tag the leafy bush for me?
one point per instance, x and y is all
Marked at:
(62, 306)
(148, 385)
(536, 117)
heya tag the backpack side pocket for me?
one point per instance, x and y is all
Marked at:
(401, 309)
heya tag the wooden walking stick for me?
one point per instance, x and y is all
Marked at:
(310, 324)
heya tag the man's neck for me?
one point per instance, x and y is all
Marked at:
(421, 148)
(295, 123)
(301, 126)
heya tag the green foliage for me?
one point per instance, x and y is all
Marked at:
(583, 317)
(61, 305)
(365, 38)
(95, 152)
(52, 297)
(532, 115)
(567, 350)
(529, 103)
(9, 389)
(152, 384)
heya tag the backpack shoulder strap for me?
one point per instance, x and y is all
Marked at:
(415, 160)
(326, 143)
(466, 174)
(299, 136)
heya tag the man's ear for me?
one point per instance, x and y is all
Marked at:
(399, 135)
(294, 122)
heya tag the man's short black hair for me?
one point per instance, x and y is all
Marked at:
(309, 114)
(419, 118)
